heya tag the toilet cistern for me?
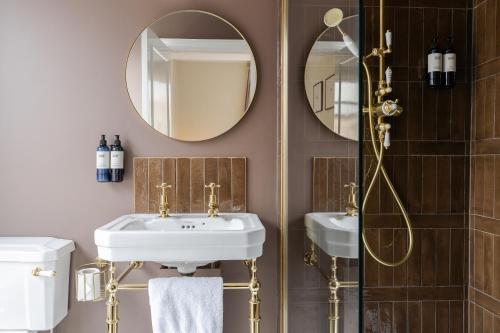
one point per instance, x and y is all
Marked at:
(34, 283)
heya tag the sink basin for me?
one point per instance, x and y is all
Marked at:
(184, 241)
(335, 233)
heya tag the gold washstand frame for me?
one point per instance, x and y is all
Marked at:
(114, 284)
(334, 284)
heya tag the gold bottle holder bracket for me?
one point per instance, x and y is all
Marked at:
(105, 273)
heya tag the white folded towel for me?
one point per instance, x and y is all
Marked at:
(186, 304)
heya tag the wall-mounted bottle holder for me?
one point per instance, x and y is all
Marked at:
(91, 280)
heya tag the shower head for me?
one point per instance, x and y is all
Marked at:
(333, 17)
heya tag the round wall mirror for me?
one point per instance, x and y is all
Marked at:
(331, 76)
(191, 75)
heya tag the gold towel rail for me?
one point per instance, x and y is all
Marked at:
(113, 285)
(144, 286)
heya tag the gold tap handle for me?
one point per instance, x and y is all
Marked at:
(163, 187)
(353, 189)
(212, 187)
(163, 195)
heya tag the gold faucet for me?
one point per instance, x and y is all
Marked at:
(164, 208)
(351, 207)
(213, 207)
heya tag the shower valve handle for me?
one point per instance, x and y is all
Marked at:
(388, 76)
(387, 138)
(388, 38)
(384, 134)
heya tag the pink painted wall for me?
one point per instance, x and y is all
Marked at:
(62, 84)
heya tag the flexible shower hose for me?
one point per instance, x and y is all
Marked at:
(380, 169)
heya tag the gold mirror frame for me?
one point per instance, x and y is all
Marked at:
(283, 165)
(252, 97)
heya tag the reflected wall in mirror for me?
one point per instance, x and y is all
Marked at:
(191, 75)
(333, 61)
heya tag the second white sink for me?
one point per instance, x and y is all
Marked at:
(335, 233)
(185, 241)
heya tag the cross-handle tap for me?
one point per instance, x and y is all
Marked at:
(213, 207)
(164, 208)
(351, 207)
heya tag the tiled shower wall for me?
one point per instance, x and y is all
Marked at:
(484, 286)
(428, 162)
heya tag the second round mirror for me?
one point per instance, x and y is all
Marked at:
(331, 76)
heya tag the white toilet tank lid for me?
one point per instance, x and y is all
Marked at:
(34, 249)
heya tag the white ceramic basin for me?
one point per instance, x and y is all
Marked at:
(185, 241)
(335, 233)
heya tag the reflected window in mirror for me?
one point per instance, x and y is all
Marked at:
(191, 75)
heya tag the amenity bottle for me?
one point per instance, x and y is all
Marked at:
(102, 161)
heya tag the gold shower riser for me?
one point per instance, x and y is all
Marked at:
(114, 285)
(379, 111)
(311, 259)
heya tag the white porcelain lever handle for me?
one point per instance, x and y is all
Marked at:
(388, 38)
(387, 139)
(388, 76)
(37, 271)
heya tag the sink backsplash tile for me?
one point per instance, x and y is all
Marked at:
(330, 174)
(188, 175)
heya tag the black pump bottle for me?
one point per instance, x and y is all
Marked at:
(117, 155)
(434, 65)
(102, 161)
(449, 65)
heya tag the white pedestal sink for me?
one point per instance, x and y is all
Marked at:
(335, 233)
(184, 241)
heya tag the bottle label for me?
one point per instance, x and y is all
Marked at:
(117, 159)
(434, 62)
(450, 62)
(102, 160)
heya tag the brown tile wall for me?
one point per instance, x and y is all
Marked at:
(484, 232)
(188, 177)
(428, 163)
(330, 174)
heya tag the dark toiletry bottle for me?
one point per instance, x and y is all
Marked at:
(102, 161)
(117, 155)
(449, 65)
(434, 65)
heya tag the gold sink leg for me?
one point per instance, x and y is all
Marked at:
(333, 300)
(254, 302)
(112, 302)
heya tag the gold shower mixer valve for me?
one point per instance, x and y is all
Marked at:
(390, 108)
